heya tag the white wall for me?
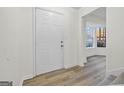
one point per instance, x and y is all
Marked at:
(115, 39)
(16, 44)
(71, 38)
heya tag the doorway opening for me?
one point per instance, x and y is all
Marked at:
(94, 38)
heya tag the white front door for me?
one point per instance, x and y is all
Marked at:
(49, 38)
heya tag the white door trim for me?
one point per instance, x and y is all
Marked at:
(34, 36)
(34, 39)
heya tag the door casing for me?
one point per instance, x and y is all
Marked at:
(34, 38)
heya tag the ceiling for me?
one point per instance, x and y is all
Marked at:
(76, 7)
(101, 13)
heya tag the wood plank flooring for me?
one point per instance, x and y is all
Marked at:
(89, 75)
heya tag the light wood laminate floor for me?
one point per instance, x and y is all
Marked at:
(91, 74)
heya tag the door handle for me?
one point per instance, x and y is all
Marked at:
(61, 41)
(62, 45)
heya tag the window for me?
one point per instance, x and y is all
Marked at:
(101, 36)
(95, 35)
(90, 37)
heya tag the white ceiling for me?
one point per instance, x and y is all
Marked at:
(76, 7)
(101, 13)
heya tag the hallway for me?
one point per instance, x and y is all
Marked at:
(91, 74)
(61, 46)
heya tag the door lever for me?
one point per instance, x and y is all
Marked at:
(61, 41)
(62, 45)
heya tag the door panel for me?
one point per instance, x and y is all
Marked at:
(49, 34)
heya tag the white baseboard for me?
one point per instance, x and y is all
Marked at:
(27, 77)
(81, 64)
(21, 82)
(24, 78)
(69, 66)
(117, 71)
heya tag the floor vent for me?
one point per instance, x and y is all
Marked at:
(6, 83)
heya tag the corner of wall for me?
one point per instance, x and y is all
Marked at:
(25, 78)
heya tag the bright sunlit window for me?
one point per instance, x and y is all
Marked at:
(90, 37)
(95, 35)
(101, 36)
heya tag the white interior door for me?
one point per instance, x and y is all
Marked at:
(49, 38)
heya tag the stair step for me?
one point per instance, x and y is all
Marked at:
(108, 80)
